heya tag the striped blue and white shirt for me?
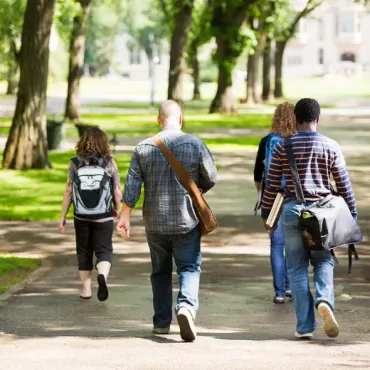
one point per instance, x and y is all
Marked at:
(318, 158)
(168, 208)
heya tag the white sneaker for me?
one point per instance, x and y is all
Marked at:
(303, 336)
(331, 327)
(186, 324)
(161, 331)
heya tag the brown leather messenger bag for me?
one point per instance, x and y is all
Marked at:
(207, 219)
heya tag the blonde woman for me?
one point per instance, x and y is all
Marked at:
(93, 186)
(283, 125)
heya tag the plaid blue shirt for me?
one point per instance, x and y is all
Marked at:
(168, 208)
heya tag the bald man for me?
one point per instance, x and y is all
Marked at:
(172, 228)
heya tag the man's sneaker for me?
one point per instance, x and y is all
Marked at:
(279, 300)
(161, 331)
(288, 294)
(186, 324)
(303, 336)
(331, 327)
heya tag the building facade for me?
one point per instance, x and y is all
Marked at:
(334, 39)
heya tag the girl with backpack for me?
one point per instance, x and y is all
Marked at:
(93, 187)
(283, 125)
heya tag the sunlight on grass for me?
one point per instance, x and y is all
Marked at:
(14, 269)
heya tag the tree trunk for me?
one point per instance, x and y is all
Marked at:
(266, 77)
(182, 22)
(27, 142)
(253, 75)
(76, 61)
(252, 66)
(12, 77)
(196, 77)
(279, 53)
(13, 64)
(224, 101)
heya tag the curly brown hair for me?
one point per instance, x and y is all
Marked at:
(284, 121)
(93, 142)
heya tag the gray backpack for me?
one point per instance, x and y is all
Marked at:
(92, 192)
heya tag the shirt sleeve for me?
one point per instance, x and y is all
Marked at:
(273, 181)
(134, 180)
(343, 182)
(207, 169)
(259, 167)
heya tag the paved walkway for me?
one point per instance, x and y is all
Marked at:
(46, 326)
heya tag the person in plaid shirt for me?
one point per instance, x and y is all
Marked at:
(172, 227)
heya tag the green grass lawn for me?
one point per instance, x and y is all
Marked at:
(13, 270)
(145, 124)
(235, 141)
(36, 195)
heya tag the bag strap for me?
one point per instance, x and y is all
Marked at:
(181, 173)
(351, 253)
(288, 145)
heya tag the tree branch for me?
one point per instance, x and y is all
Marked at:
(165, 11)
(310, 7)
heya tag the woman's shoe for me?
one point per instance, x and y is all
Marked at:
(103, 289)
(82, 297)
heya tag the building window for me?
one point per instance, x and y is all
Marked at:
(346, 22)
(321, 29)
(135, 56)
(321, 56)
(294, 60)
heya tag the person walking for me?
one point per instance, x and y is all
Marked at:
(171, 224)
(93, 186)
(317, 158)
(283, 125)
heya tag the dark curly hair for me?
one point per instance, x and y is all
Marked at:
(93, 142)
(307, 110)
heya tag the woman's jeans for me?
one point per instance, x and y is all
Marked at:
(278, 265)
(298, 258)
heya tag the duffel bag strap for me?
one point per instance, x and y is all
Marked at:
(351, 253)
(293, 169)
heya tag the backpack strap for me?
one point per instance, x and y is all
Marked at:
(76, 161)
(288, 145)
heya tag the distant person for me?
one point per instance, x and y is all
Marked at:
(283, 125)
(317, 158)
(93, 186)
(172, 227)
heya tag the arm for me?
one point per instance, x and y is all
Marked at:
(259, 166)
(67, 199)
(131, 194)
(116, 184)
(207, 169)
(343, 182)
(273, 181)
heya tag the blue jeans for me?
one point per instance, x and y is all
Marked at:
(185, 250)
(298, 258)
(278, 265)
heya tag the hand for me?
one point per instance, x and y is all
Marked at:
(62, 225)
(123, 227)
(268, 228)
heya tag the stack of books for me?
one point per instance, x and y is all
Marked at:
(276, 210)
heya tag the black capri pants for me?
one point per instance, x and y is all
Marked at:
(93, 237)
